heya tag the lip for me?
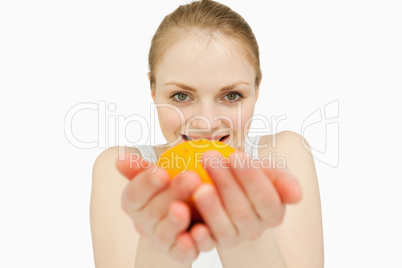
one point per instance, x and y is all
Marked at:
(208, 138)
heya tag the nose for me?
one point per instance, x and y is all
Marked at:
(207, 119)
(207, 123)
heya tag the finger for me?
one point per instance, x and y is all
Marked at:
(202, 237)
(138, 192)
(184, 250)
(130, 164)
(286, 184)
(259, 189)
(181, 188)
(176, 221)
(208, 204)
(234, 200)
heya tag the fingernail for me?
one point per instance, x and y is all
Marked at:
(189, 181)
(156, 178)
(180, 244)
(173, 218)
(208, 198)
(156, 181)
(199, 235)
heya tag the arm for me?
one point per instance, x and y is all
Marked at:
(300, 236)
(298, 240)
(115, 239)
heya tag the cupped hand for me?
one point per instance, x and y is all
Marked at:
(156, 205)
(246, 200)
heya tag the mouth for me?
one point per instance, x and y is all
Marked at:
(221, 138)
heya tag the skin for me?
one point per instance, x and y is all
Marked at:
(205, 64)
(225, 226)
(244, 202)
(244, 212)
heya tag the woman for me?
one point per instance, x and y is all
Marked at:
(205, 79)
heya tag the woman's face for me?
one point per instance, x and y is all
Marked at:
(204, 88)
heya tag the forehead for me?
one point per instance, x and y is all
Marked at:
(204, 60)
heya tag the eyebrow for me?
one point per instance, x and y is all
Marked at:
(228, 87)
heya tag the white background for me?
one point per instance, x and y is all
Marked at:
(55, 55)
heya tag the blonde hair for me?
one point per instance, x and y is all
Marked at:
(207, 16)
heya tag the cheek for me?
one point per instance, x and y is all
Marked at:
(246, 118)
(240, 119)
(170, 119)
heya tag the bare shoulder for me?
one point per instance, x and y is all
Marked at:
(283, 141)
(112, 230)
(107, 157)
(304, 234)
(284, 147)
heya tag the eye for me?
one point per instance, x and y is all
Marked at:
(232, 96)
(181, 97)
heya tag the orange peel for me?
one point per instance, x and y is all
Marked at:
(187, 156)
